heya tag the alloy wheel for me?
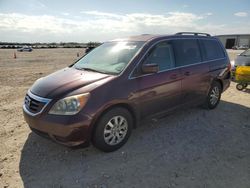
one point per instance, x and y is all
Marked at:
(214, 95)
(115, 130)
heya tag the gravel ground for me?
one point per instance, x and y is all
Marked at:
(188, 148)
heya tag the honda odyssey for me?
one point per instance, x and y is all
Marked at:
(104, 95)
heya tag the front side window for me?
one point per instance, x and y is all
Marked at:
(162, 55)
(110, 57)
(187, 52)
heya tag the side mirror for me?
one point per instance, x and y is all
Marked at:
(150, 68)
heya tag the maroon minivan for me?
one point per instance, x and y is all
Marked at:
(102, 96)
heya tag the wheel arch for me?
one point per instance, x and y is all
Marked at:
(211, 83)
(126, 106)
(219, 81)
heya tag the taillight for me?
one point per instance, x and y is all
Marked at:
(229, 67)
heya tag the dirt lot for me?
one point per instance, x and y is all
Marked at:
(190, 148)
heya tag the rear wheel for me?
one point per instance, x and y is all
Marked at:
(214, 95)
(113, 129)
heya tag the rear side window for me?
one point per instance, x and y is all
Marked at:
(162, 55)
(186, 51)
(211, 49)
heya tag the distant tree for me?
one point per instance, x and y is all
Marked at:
(93, 44)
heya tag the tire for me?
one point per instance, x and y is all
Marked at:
(214, 95)
(240, 87)
(115, 137)
(245, 85)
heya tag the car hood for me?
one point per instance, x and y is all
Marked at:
(64, 81)
(242, 60)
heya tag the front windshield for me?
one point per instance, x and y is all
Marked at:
(245, 53)
(110, 57)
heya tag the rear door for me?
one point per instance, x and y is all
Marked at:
(159, 91)
(195, 73)
(219, 64)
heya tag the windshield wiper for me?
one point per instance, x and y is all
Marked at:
(89, 69)
(93, 70)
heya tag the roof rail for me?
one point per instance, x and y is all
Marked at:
(193, 33)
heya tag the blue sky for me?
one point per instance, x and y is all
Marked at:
(83, 21)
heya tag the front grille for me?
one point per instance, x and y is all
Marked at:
(34, 104)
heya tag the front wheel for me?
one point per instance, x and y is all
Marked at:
(113, 129)
(214, 95)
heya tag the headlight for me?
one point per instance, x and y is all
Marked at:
(69, 105)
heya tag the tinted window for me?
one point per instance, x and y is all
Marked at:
(186, 52)
(212, 49)
(162, 55)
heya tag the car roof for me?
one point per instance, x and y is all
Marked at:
(148, 37)
(143, 37)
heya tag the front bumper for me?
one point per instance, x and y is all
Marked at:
(66, 130)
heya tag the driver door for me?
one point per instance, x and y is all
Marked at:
(159, 91)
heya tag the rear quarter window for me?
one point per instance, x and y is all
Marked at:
(211, 49)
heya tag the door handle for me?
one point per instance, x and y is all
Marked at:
(173, 76)
(187, 73)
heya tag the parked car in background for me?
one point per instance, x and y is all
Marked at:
(103, 96)
(234, 47)
(242, 47)
(88, 49)
(242, 59)
(25, 49)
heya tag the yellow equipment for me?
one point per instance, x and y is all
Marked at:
(242, 77)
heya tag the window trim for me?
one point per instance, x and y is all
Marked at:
(130, 77)
(203, 62)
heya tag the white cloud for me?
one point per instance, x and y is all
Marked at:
(101, 14)
(209, 14)
(100, 26)
(26, 23)
(65, 13)
(101, 22)
(139, 21)
(241, 14)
